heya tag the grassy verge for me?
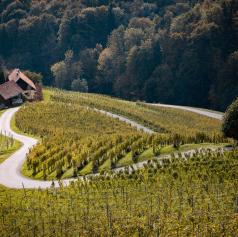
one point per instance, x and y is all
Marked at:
(2, 111)
(4, 154)
(7, 153)
(47, 93)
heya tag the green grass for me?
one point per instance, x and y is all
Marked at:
(25, 171)
(106, 166)
(47, 93)
(87, 169)
(127, 160)
(146, 155)
(68, 173)
(39, 176)
(2, 111)
(7, 153)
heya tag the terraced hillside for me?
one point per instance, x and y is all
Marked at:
(77, 140)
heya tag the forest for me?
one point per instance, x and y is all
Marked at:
(171, 51)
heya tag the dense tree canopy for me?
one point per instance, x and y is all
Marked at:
(176, 51)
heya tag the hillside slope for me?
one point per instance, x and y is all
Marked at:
(89, 141)
(10, 170)
(182, 194)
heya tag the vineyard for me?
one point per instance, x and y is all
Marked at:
(77, 140)
(191, 193)
(193, 196)
(166, 120)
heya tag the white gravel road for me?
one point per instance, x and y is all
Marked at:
(208, 113)
(10, 169)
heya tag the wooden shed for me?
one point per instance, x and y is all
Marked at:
(27, 85)
(10, 94)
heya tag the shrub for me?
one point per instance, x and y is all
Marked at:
(79, 85)
(230, 121)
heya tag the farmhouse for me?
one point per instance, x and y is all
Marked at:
(16, 89)
(10, 94)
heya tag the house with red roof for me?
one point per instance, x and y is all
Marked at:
(16, 89)
(21, 79)
(10, 94)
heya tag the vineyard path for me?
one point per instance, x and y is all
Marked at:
(208, 113)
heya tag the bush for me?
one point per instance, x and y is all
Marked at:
(230, 121)
(79, 85)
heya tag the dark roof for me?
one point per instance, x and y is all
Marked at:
(9, 90)
(16, 74)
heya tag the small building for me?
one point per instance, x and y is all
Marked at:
(27, 85)
(10, 94)
(17, 89)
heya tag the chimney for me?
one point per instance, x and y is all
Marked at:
(18, 71)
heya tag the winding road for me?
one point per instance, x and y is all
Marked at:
(10, 169)
(208, 113)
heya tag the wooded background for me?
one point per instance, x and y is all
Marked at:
(171, 51)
